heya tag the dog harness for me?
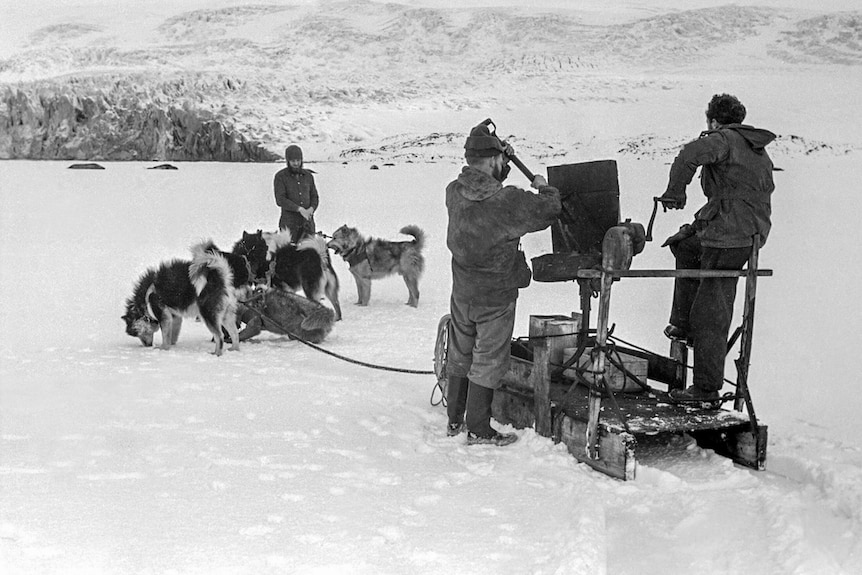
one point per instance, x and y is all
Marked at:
(358, 255)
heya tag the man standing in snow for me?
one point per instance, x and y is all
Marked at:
(296, 195)
(736, 178)
(486, 222)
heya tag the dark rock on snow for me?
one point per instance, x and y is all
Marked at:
(87, 166)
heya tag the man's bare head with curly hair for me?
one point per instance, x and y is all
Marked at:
(725, 109)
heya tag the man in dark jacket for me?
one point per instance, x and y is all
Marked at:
(736, 177)
(486, 222)
(296, 195)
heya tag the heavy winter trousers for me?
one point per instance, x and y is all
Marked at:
(704, 307)
(480, 348)
(480, 342)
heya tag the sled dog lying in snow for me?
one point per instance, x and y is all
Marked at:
(371, 259)
(286, 313)
(177, 288)
(303, 265)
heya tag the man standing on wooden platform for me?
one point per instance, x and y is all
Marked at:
(486, 222)
(736, 177)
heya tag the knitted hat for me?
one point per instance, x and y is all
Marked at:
(293, 152)
(480, 143)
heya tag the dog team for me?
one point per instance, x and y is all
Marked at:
(257, 282)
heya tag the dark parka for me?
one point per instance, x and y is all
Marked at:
(486, 222)
(737, 180)
(294, 189)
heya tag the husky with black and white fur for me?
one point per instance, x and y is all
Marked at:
(305, 264)
(180, 288)
(239, 266)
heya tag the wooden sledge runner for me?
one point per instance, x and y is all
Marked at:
(599, 427)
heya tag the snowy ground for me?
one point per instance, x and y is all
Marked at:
(116, 458)
(122, 459)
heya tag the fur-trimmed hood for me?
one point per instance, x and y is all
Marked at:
(476, 185)
(486, 222)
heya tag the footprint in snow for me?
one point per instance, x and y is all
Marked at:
(377, 427)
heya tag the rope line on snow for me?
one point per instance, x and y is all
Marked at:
(343, 357)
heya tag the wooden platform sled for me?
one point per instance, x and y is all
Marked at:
(602, 428)
(598, 426)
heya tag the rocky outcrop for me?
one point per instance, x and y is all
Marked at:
(50, 124)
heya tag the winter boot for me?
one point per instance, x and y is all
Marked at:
(695, 396)
(479, 427)
(456, 396)
(498, 439)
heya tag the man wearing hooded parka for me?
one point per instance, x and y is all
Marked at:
(736, 178)
(486, 222)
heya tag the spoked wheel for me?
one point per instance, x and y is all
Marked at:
(441, 348)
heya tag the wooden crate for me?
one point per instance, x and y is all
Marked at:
(561, 331)
(638, 367)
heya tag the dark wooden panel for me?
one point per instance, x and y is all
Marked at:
(742, 446)
(591, 205)
(616, 450)
(563, 266)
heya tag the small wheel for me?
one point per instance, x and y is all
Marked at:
(441, 348)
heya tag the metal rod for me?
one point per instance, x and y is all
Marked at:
(690, 274)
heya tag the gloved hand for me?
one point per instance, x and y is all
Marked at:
(669, 203)
(685, 231)
(539, 182)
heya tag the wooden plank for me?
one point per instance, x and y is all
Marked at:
(598, 367)
(744, 360)
(660, 368)
(646, 414)
(557, 332)
(726, 432)
(616, 451)
(690, 274)
(513, 407)
(743, 446)
(540, 381)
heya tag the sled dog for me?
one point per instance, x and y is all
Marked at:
(286, 313)
(371, 259)
(253, 246)
(303, 265)
(239, 266)
(180, 288)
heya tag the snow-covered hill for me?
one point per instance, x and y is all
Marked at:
(347, 75)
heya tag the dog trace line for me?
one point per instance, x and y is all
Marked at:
(345, 358)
